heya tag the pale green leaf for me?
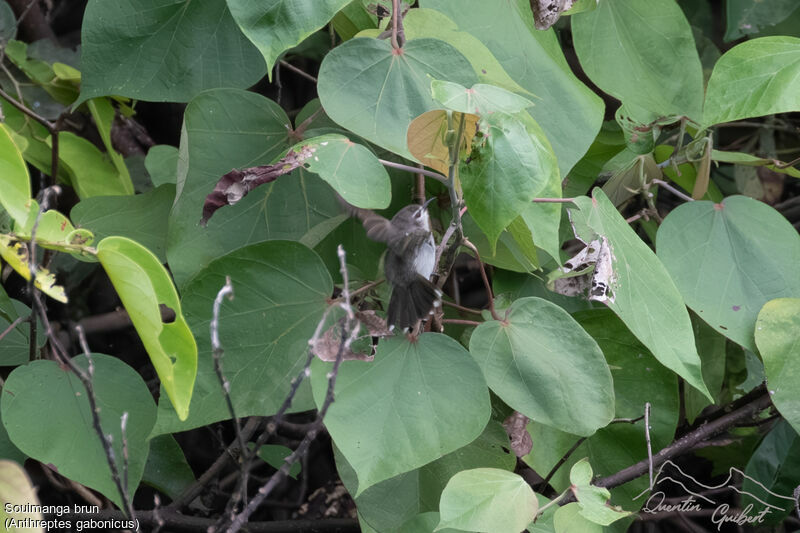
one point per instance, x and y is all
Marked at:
(729, 259)
(753, 79)
(487, 499)
(778, 340)
(143, 285)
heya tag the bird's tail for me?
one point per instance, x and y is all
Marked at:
(413, 302)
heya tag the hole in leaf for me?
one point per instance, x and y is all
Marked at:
(167, 314)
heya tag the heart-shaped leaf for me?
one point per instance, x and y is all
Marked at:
(175, 50)
(350, 168)
(277, 25)
(400, 411)
(280, 289)
(729, 259)
(544, 365)
(753, 79)
(376, 91)
(63, 435)
(487, 499)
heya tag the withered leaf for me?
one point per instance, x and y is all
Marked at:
(235, 185)
(521, 442)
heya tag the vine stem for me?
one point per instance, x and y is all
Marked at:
(486, 283)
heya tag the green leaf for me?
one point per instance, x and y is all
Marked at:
(778, 339)
(274, 26)
(711, 348)
(729, 259)
(489, 450)
(225, 129)
(740, 158)
(638, 378)
(350, 168)
(569, 518)
(753, 79)
(103, 114)
(90, 171)
(141, 218)
(281, 290)
(162, 164)
(772, 473)
(642, 52)
(14, 345)
(15, 184)
(569, 112)
(7, 448)
(16, 489)
(642, 293)
(544, 365)
(479, 99)
(275, 455)
(401, 411)
(8, 23)
(390, 503)
(174, 50)
(429, 24)
(745, 16)
(376, 92)
(166, 468)
(505, 172)
(353, 18)
(507, 253)
(424, 523)
(46, 413)
(592, 500)
(143, 284)
(487, 499)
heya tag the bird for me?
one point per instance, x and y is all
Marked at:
(409, 262)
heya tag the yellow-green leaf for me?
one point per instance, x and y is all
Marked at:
(143, 284)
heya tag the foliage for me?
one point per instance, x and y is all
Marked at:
(645, 266)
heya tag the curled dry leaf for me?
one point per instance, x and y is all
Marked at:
(375, 325)
(235, 185)
(327, 347)
(521, 442)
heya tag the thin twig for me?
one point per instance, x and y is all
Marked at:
(687, 442)
(51, 127)
(460, 321)
(14, 324)
(649, 445)
(414, 170)
(395, 17)
(560, 463)
(86, 380)
(462, 308)
(553, 200)
(296, 70)
(485, 278)
(123, 426)
(673, 190)
(216, 353)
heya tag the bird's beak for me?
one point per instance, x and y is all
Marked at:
(428, 201)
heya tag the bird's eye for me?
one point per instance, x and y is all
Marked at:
(418, 213)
